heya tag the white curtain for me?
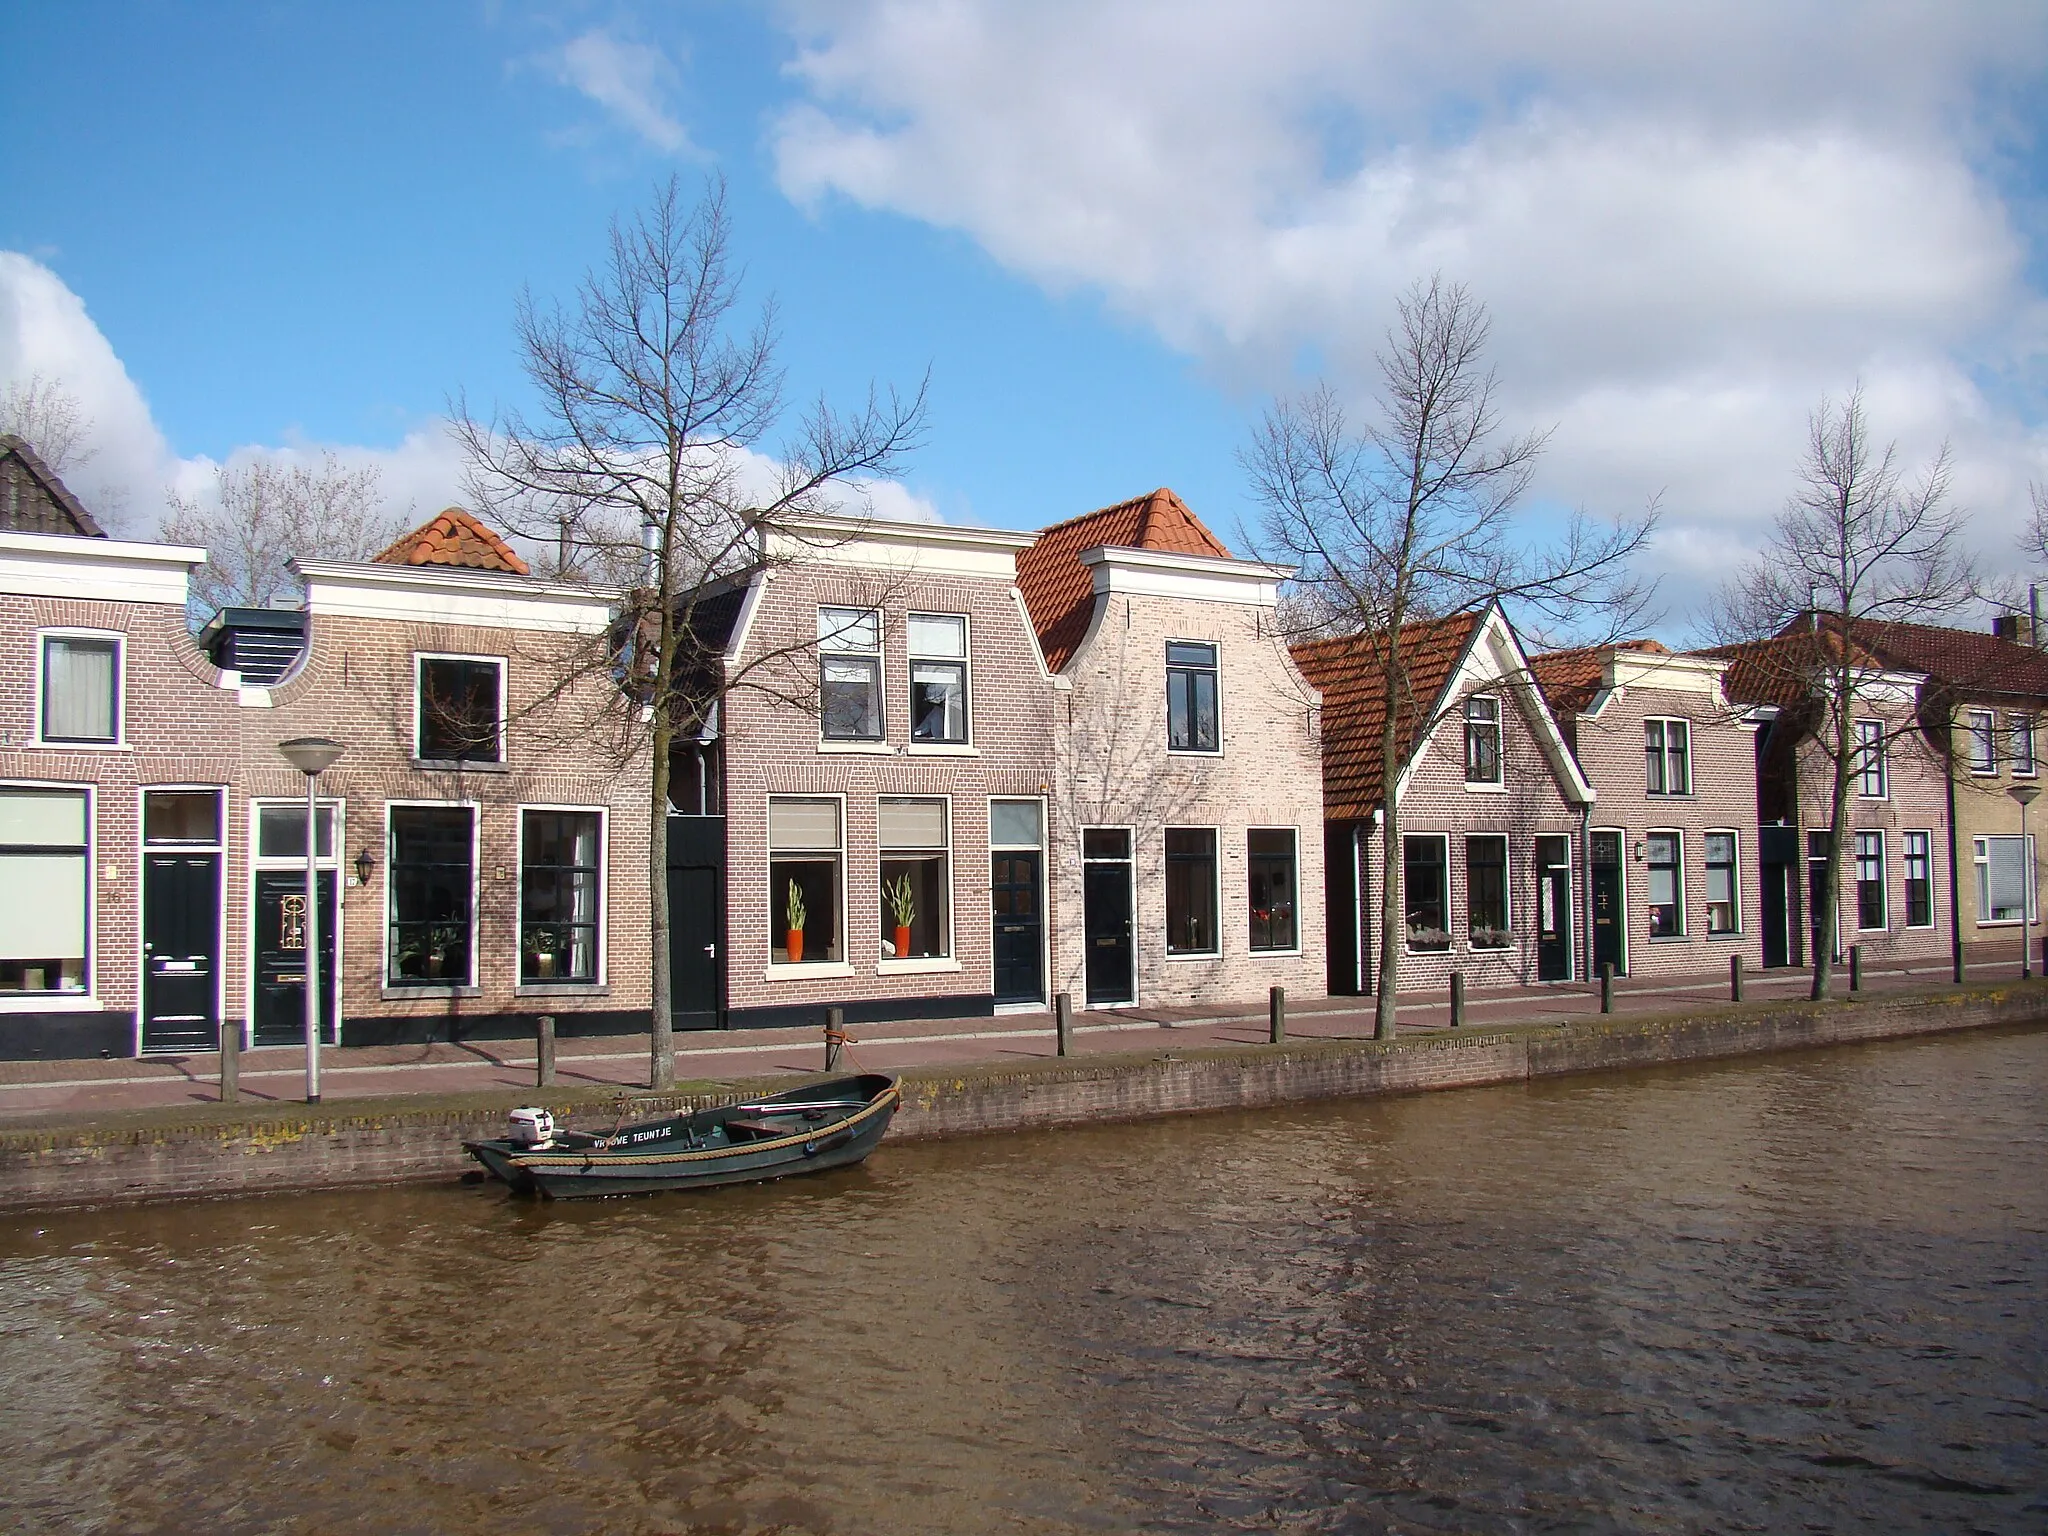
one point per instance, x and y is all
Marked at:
(78, 690)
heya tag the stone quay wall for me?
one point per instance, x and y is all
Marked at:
(233, 1150)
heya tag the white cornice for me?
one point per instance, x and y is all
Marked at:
(109, 570)
(424, 594)
(924, 549)
(1203, 578)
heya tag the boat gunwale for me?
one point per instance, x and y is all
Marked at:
(584, 1159)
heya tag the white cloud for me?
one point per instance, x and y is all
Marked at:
(1689, 221)
(632, 81)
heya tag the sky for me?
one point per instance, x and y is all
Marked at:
(1111, 232)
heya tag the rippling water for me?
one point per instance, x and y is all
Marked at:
(1803, 1293)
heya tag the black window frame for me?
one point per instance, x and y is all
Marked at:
(1272, 871)
(1660, 755)
(1730, 869)
(462, 730)
(433, 925)
(549, 885)
(1482, 739)
(915, 657)
(1411, 899)
(836, 649)
(1870, 764)
(1872, 897)
(1486, 881)
(112, 645)
(1189, 704)
(1186, 863)
(1920, 886)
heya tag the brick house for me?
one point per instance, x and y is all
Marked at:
(1493, 809)
(1896, 864)
(1187, 865)
(1671, 883)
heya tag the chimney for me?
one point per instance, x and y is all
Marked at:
(2019, 628)
(2034, 617)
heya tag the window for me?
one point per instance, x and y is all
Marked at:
(432, 877)
(1270, 874)
(1723, 914)
(1919, 880)
(849, 674)
(81, 688)
(917, 882)
(559, 870)
(187, 816)
(281, 831)
(1191, 697)
(2024, 763)
(460, 709)
(1486, 890)
(1191, 891)
(1870, 913)
(1425, 882)
(43, 891)
(1482, 741)
(1667, 898)
(1668, 746)
(2004, 893)
(938, 678)
(1983, 742)
(803, 882)
(1870, 768)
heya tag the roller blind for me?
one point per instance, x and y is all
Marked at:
(42, 818)
(42, 906)
(803, 824)
(911, 823)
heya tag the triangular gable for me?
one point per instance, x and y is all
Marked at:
(34, 500)
(454, 537)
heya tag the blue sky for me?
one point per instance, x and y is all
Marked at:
(1110, 230)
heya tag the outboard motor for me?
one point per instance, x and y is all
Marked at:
(533, 1128)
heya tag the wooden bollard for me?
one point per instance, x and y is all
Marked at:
(1276, 1015)
(1063, 1023)
(1735, 978)
(544, 1052)
(1607, 986)
(1855, 967)
(1457, 999)
(835, 1037)
(231, 1063)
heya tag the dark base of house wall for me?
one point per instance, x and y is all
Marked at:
(66, 1036)
(434, 1028)
(967, 1005)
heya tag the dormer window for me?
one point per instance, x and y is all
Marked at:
(1482, 740)
(461, 709)
(1191, 713)
(849, 674)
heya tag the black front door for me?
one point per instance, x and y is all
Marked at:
(281, 956)
(694, 933)
(1608, 946)
(1816, 886)
(181, 951)
(1019, 927)
(1106, 924)
(1553, 909)
(1776, 915)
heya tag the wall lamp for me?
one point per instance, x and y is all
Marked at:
(1639, 850)
(365, 866)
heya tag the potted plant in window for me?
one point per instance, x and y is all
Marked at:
(442, 944)
(902, 902)
(793, 915)
(540, 944)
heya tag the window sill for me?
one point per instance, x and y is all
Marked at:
(1175, 956)
(48, 1002)
(1482, 788)
(869, 748)
(1194, 752)
(1669, 794)
(562, 989)
(943, 749)
(458, 765)
(1275, 954)
(1732, 933)
(1668, 938)
(2001, 922)
(1489, 949)
(916, 966)
(77, 746)
(450, 989)
(824, 970)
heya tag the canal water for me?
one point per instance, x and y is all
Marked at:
(1803, 1293)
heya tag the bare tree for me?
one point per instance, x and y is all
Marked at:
(1414, 516)
(263, 513)
(640, 466)
(1859, 544)
(48, 417)
(2034, 542)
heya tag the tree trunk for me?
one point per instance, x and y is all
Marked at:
(661, 1069)
(1393, 926)
(1826, 919)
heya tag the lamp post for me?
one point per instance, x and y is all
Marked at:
(312, 756)
(2026, 794)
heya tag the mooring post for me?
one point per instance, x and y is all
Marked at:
(1855, 967)
(1276, 1014)
(231, 1063)
(544, 1053)
(835, 1036)
(1457, 999)
(1735, 978)
(1063, 1022)
(1607, 986)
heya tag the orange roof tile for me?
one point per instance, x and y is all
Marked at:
(1784, 669)
(1571, 677)
(458, 538)
(1058, 589)
(1347, 669)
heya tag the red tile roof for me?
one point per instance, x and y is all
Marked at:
(1967, 661)
(1570, 678)
(1059, 590)
(34, 500)
(1783, 670)
(1347, 669)
(455, 537)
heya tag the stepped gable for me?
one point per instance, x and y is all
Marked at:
(457, 538)
(1346, 669)
(34, 500)
(1571, 678)
(1059, 590)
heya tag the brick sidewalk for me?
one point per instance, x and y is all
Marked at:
(32, 1088)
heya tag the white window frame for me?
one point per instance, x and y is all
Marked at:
(1884, 878)
(1870, 752)
(444, 988)
(1167, 951)
(1905, 857)
(1734, 885)
(1664, 752)
(920, 964)
(1498, 783)
(1043, 848)
(2026, 764)
(558, 987)
(87, 1001)
(1450, 903)
(879, 742)
(219, 845)
(40, 665)
(1269, 954)
(1983, 731)
(1981, 859)
(1507, 875)
(807, 969)
(918, 745)
(1684, 933)
(483, 765)
(343, 882)
(1216, 669)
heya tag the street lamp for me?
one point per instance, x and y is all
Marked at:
(2026, 794)
(312, 756)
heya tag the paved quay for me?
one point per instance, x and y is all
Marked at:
(34, 1092)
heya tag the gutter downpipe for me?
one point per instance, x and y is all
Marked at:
(1955, 904)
